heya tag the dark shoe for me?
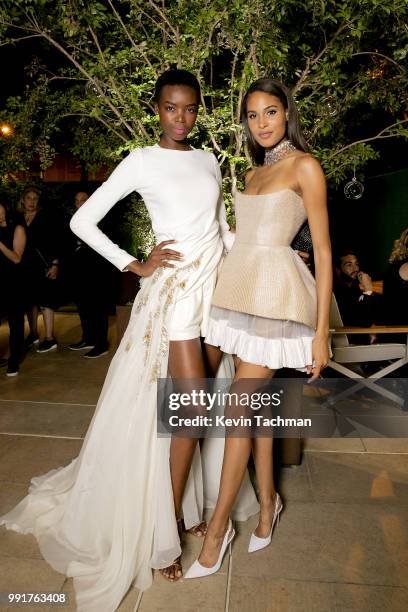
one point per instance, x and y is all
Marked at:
(12, 370)
(80, 346)
(3, 363)
(47, 345)
(31, 340)
(95, 353)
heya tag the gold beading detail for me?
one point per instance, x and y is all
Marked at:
(167, 290)
(147, 338)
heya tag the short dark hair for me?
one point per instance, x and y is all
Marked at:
(176, 76)
(293, 129)
(343, 252)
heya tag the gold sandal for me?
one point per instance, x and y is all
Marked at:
(198, 530)
(177, 562)
(177, 570)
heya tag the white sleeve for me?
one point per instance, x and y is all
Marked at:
(228, 237)
(123, 180)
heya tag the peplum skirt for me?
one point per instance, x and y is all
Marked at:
(272, 343)
(264, 307)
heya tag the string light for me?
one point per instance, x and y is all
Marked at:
(6, 130)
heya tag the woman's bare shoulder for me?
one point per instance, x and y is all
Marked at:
(306, 161)
(307, 166)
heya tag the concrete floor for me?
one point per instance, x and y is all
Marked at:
(342, 543)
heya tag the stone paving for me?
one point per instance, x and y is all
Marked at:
(342, 542)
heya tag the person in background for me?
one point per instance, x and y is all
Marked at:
(91, 287)
(41, 268)
(395, 291)
(12, 245)
(359, 305)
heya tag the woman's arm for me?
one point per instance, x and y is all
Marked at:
(313, 187)
(19, 242)
(51, 242)
(123, 180)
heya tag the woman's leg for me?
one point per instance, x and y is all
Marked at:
(32, 316)
(236, 455)
(185, 362)
(48, 316)
(263, 458)
(16, 341)
(212, 359)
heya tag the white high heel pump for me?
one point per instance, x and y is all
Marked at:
(256, 543)
(199, 571)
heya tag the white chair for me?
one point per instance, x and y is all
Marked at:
(346, 358)
(346, 353)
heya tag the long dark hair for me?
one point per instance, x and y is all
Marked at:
(293, 129)
(176, 76)
(10, 218)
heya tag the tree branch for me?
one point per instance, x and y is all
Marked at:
(157, 24)
(35, 27)
(102, 56)
(83, 71)
(164, 18)
(310, 62)
(212, 137)
(113, 83)
(105, 123)
(209, 39)
(132, 42)
(233, 68)
(336, 170)
(389, 59)
(381, 135)
(12, 40)
(63, 78)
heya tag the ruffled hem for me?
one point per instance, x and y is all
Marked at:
(273, 353)
(17, 528)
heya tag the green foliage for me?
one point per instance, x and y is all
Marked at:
(343, 59)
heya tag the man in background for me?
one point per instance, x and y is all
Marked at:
(359, 305)
(91, 287)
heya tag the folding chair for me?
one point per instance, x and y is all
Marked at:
(355, 354)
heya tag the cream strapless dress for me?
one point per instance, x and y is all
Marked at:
(264, 307)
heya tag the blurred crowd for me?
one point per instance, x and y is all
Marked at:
(43, 266)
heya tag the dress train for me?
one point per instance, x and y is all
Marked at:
(93, 518)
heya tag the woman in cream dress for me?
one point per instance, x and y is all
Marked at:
(109, 517)
(267, 308)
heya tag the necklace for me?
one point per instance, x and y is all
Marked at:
(279, 152)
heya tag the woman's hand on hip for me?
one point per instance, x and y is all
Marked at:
(159, 257)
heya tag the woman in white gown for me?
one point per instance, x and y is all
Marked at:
(110, 516)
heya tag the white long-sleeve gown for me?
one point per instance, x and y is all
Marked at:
(108, 517)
